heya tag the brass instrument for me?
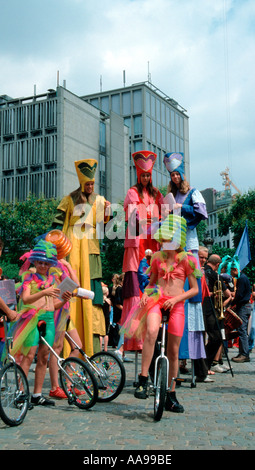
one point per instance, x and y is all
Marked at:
(218, 302)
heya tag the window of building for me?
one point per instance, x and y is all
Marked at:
(181, 126)
(36, 116)
(9, 121)
(50, 183)
(95, 102)
(127, 122)
(116, 103)
(36, 151)
(153, 130)
(8, 156)
(138, 126)
(137, 101)
(163, 134)
(105, 104)
(158, 113)
(172, 113)
(138, 145)
(51, 113)
(102, 137)
(148, 128)
(168, 140)
(163, 113)
(50, 155)
(126, 103)
(102, 173)
(177, 124)
(8, 188)
(168, 117)
(148, 102)
(21, 187)
(22, 119)
(153, 106)
(22, 153)
(158, 134)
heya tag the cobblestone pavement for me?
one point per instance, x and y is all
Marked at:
(218, 416)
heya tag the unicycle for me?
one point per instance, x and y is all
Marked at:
(14, 388)
(77, 381)
(108, 371)
(160, 384)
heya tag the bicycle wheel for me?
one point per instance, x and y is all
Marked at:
(14, 394)
(78, 382)
(110, 375)
(161, 386)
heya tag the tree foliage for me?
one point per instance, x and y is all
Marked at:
(22, 222)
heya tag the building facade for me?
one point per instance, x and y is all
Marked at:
(155, 122)
(42, 135)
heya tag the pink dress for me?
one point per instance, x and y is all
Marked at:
(137, 210)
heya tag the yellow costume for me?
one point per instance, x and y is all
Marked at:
(80, 221)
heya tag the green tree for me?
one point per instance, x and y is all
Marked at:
(22, 222)
(242, 209)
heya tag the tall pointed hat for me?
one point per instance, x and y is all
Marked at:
(86, 170)
(144, 161)
(174, 162)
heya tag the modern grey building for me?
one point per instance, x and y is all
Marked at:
(155, 121)
(42, 135)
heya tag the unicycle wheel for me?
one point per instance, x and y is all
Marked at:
(78, 383)
(161, 387)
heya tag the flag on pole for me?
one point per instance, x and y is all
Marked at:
(243, 250)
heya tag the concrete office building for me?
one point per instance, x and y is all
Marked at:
(155, 122)
(42, 135)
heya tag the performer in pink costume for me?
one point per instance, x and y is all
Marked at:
(142, 206)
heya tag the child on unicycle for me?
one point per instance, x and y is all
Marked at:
(168, 271)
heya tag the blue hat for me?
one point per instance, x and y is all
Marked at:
(44, 251)
(174, 162)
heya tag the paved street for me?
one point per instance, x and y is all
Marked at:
(218, 416)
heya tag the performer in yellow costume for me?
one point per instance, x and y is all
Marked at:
(81, 216)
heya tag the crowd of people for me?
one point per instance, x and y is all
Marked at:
(164, 268)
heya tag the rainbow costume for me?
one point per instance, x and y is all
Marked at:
(174, 229)
(25, 328)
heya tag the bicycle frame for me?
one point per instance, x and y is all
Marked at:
(59, 359)
(82, 352)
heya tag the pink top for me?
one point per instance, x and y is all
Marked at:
(184, 265)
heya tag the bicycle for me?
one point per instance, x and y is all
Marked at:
(108, 371)
(14, 388)
(77, 381)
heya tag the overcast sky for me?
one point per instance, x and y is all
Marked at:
(200, 53)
